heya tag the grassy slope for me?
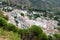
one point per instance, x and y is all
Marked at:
(8, 35)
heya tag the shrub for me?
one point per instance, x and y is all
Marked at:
(16, 22)
(20, 31)
(50, 37)
(1, 14)
(56, 36)
(9, 35)
(5, 17)
(36, 16)
(58, 28)
(3, 22)
(44, 36)
(11, 27)
(15, 17)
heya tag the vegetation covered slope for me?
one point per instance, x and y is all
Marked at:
(46, 3)
(6, 35)
(39, 4)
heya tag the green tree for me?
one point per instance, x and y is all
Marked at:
(30, 10)
(22, 14)
(24, 33)
(35, 32)
(57, 18)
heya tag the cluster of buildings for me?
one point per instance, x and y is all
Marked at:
(48, 26)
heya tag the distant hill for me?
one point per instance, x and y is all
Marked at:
(39, 4)
(46, 4)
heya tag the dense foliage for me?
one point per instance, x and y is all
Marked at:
(32, 33)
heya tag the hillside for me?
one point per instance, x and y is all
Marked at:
(46, 3)
(39, 4)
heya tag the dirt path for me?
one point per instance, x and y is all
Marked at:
(2, 39)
